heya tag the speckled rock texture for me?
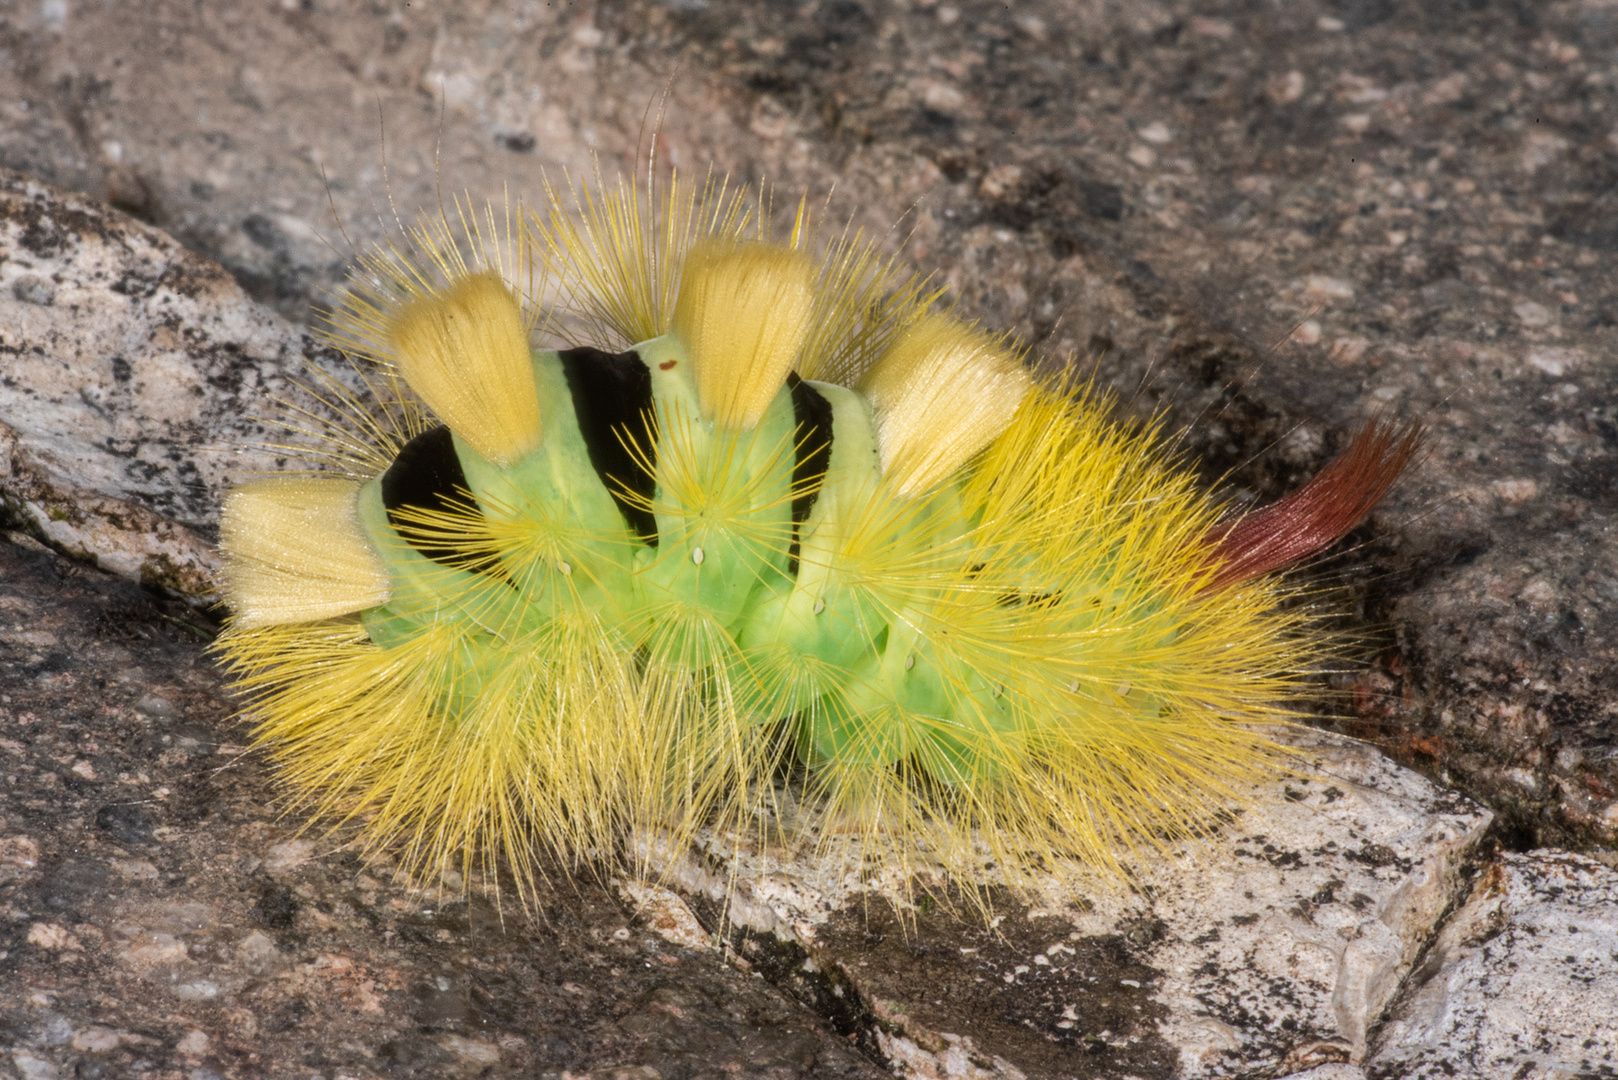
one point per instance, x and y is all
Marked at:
(1262, 220)
(1522, 978)
(135, 373)
(1274, 946)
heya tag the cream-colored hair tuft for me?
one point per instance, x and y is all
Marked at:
(295, 551)
(464, 350)
(743, 314)
(941, 393)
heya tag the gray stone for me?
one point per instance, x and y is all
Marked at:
(135, 396)
(1277, 944)
(1521, 982)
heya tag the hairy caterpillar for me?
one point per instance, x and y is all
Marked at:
(779, 521)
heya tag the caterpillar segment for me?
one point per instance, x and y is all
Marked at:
(642, 584)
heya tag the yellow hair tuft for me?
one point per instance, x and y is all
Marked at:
(941, 393)
(743, 313)
(464, 349)
(617, 258)
(295, 552)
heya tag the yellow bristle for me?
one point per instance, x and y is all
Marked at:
(464, 350)
(743, 313)
(295, 552)
(617, 258)
(941, 393)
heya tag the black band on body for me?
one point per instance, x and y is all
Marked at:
(612, 398)
(427, 477)
(813, 415)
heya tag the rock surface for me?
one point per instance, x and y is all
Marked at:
(1276, 946)
(1411, 199)
(1517, 978)
(134, 375)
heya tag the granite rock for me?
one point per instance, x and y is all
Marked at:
(136, 376)
(1276, 944)
(1522, 979)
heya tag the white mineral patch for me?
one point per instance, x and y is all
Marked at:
(1299, 932)
(134, 376)
(946, 1057)
(666, 914)
(1525, 976)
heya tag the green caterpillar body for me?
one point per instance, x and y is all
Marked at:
(807, 551)
(706, 550)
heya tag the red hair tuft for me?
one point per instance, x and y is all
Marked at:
(1318, 514)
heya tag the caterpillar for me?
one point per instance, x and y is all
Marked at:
(773, 525)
